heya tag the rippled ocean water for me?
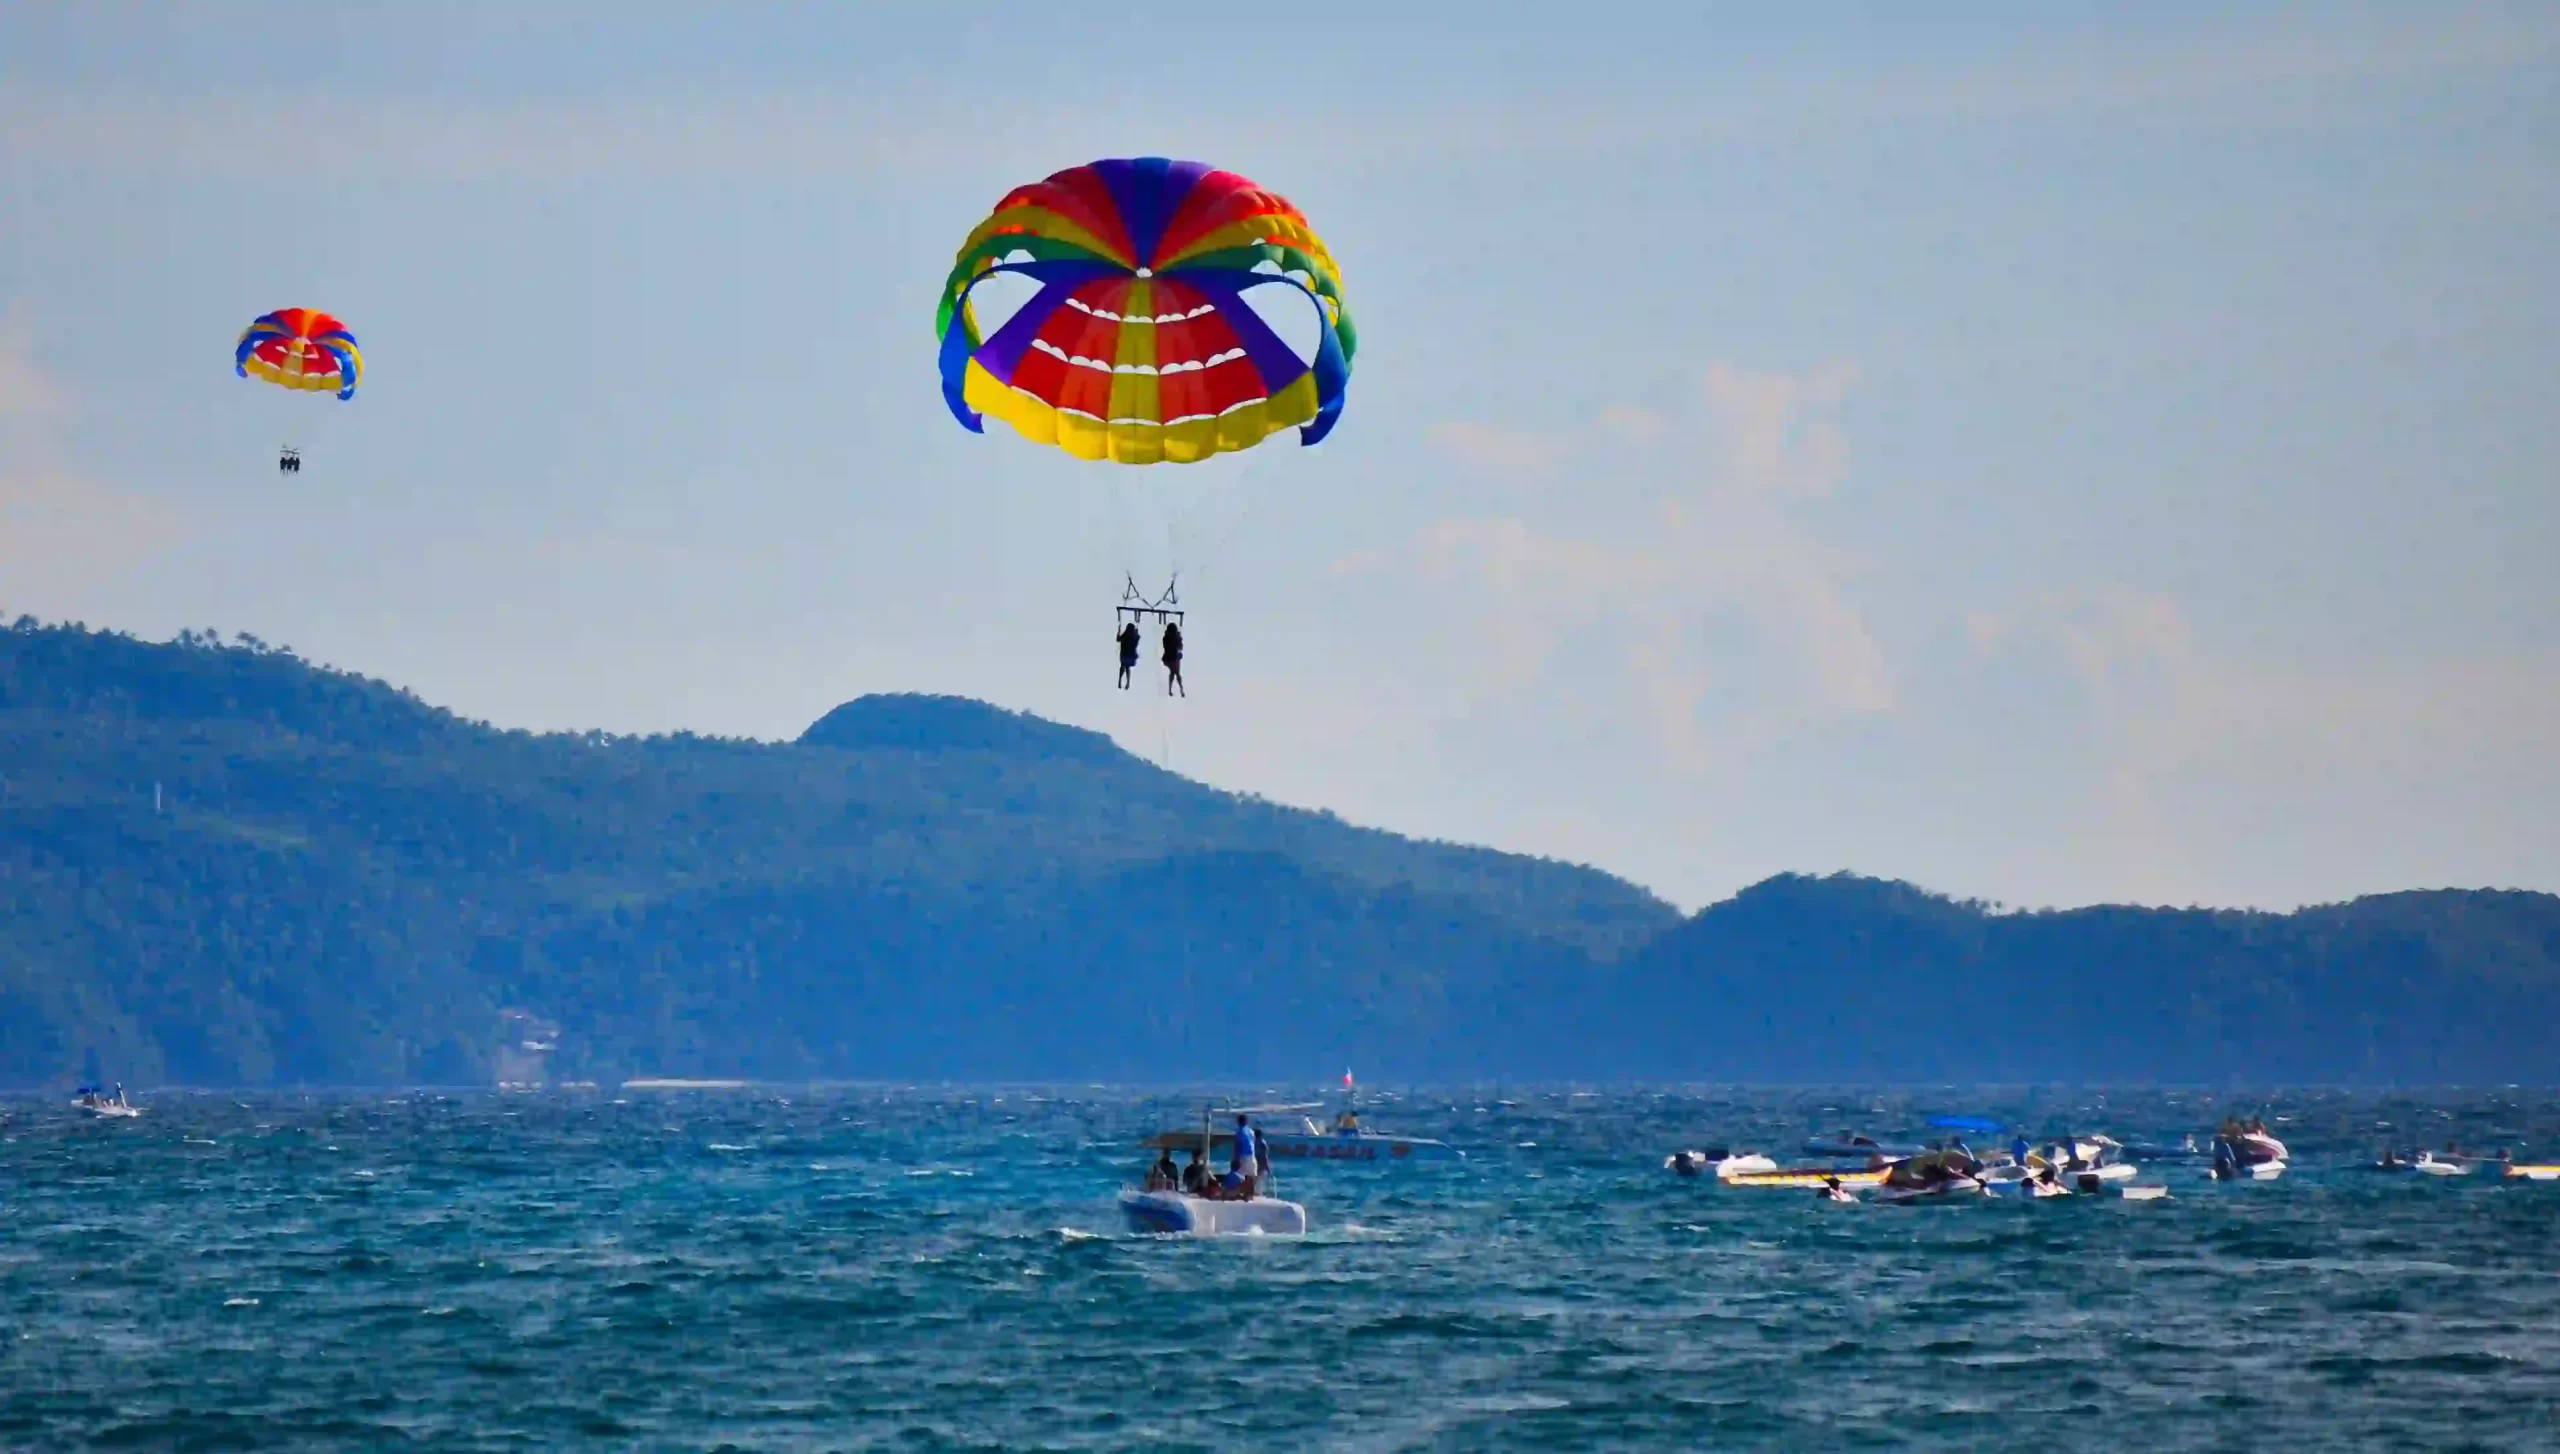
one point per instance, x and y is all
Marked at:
(874, 1268)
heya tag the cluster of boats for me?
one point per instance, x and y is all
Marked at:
(1851, 1165)
(1841, 1167)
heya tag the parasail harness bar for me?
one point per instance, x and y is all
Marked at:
(1135, 603)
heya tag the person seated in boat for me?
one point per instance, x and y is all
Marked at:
(1347, 1124)
(1164, 1175)
(1244, 1165)
(1196, 1178)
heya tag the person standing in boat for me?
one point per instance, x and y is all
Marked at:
(1242, 1169)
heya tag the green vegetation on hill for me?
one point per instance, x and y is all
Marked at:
(341, 883)
(220, 864)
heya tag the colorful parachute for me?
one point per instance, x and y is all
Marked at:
(1139, 345)
(300, 348)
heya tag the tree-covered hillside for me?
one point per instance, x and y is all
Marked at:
(219, 863)
(222, 865)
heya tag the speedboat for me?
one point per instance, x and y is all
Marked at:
(2247, 1153)
(2082, 1161)
(1718, 1162)
(1932, 1176)
(1347, 1140)
(1354, 1142)
(2430, 1164)
(99, 1103)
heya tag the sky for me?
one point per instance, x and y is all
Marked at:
(2050, 453)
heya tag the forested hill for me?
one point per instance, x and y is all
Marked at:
(341, 883)
(222, 865)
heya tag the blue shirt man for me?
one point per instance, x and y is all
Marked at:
(1240, 1167)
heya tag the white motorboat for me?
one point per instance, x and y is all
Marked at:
(1717, 1162)
(2252, 1171)
(2430, 1164)
(1167, 1205)
(1346, 1140)
(1932, 1176)
(102, 1103)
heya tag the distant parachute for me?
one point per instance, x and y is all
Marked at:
(1139, 346)
(300, 348)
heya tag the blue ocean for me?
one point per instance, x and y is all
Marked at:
(945, 1269)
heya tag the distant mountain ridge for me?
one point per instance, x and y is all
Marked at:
(220, 864)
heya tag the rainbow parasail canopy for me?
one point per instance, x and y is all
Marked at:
(300, 348)
(1139, 345)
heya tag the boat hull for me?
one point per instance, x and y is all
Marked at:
(1298, 1146)
(1174, 1214)
(1903, 1196)
(1802, 1177)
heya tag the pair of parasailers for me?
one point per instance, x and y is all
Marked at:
(1128, 639)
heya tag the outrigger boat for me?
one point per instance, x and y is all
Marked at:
(99, 1103)
(1176, 1212)
(1347, 1140)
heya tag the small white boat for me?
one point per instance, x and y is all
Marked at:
(1933, 1176)
(2253, 1171)
(2430, 1164)
(1166, 1208)
(101, 1103)
(1717, 1162)
(1347, 1140)
(2143, 1193)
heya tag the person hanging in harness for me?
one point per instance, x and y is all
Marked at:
(1128, 639)
(1173, 660)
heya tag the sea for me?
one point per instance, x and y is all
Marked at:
(944, 1268)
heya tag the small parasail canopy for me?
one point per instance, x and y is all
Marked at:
(300, 348)
(1139, 345)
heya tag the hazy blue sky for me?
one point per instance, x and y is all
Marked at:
(2055, 453)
